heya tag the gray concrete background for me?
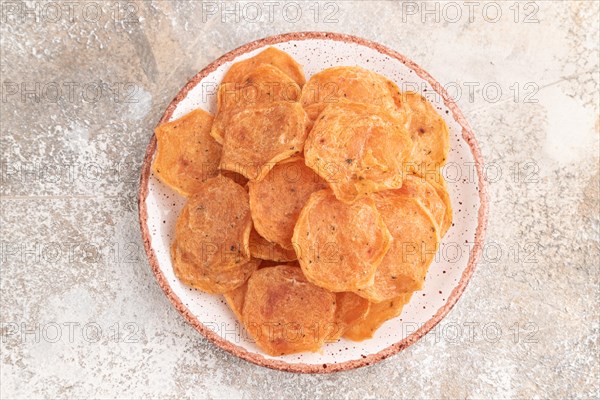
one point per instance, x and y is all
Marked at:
(81, 313)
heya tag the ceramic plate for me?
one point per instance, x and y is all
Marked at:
(159, 207)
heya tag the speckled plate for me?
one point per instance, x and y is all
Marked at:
(448, 276)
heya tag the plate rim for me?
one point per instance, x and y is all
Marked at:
(467, 135)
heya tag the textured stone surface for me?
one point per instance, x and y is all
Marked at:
(81, 313)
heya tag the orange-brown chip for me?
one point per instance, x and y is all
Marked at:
(427, 129)
(437, 181)
(276, 201)
(340, 245)
(262, 86)
(423, 191)
(265, 84)
(416, 238)
(210, 280)
(213, 228)
(349, 311)
(350, 83)
(285, 313)
(308, 247)
(270, 56)
(235, 299)
(312, 112)
(265, 250)
(187, 155)
(234, 176)
(377, 315)
(259, 136)
(358, 149)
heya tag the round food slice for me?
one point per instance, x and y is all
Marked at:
(340, 245)
(270, 56)
(265, 250)
(423, 191)
(209, 280)
(427, 129)
(356, 84)
(276, 201)
(377, 315)
(312, 112)
(262, 86)
(358, 149)
(213, 228)
(416, 237)
(186, 155)
(258, 137)
(349, 311)
(285, 313)
(235, 298)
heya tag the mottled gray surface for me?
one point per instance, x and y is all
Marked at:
(81, 313)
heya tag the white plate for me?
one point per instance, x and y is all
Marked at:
(447, 276)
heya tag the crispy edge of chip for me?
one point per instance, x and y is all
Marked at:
(303, 221)
(160, 141)
(245, 248)
(378, 314)
(348, 314)
(436, 179)
(414, 186)
(294, 71)
(265, 250)
(234, 176)
(235, 300)
(224, 114)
